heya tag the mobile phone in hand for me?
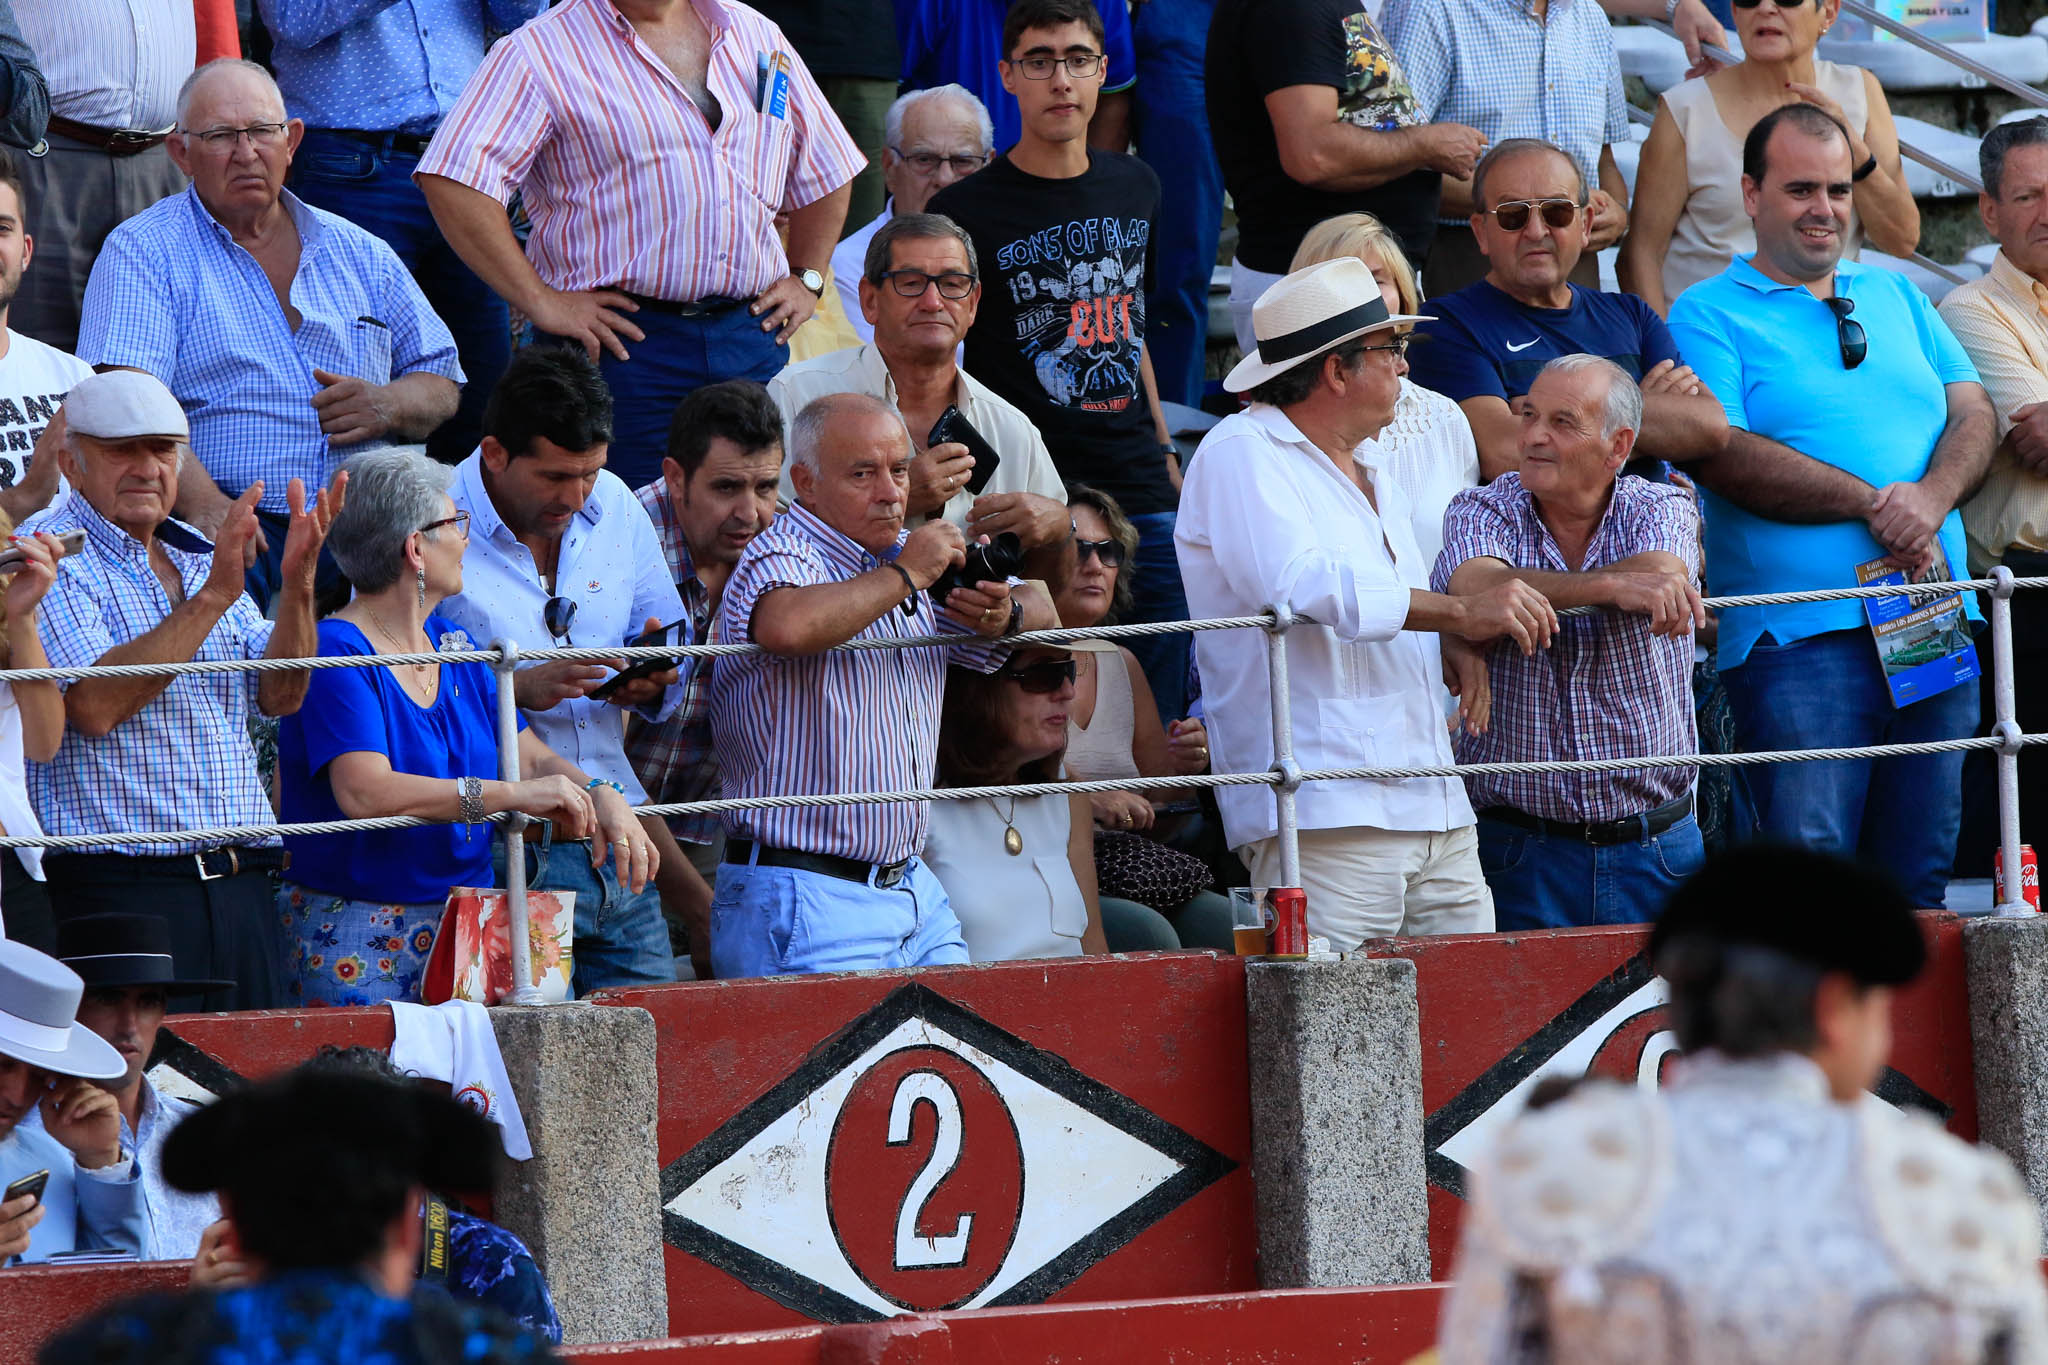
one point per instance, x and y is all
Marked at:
(32, 1183)
(956, 429)
(641, 668)
(11, 555)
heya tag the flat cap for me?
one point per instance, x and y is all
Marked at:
(122, 404)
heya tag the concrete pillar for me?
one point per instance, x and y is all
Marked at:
(1337, 1155)
(2007, 964)
(589, 1202)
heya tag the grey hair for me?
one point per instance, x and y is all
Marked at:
(1623, 406)
(69, 441)
(892, 122)
(391, 494)
(809, 428)
(1509, 148)
(2025, 132)
(221, 64)
(913, 227)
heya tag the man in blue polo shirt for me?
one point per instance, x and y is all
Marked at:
(1493, 337)
(1875, 427)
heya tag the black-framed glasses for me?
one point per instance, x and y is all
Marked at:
(225, 139)
(1782, 4)
(953, 284)
(1110, 552)
(460, 521)
(1080, 65)
(928, 163)
(558, 616)
(1848, 332)
(1399, 346)
(1043, 678)
(1513, 215)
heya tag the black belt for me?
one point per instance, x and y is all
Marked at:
(883, 875)
(412, 144)
(1627, 829)
(112, 141)
(209, 865)
(709, 306)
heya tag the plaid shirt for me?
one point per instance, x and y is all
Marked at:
(1606, 687)
(184, 761)
(675, 759)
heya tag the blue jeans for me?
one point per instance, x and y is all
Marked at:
(781, 921)
(1550, 881)
(621, 939)
(372, 187)
(1172, 127)
(1826, 692)
(1157, 595)
(679, 356)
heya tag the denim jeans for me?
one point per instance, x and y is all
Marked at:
(1826, 692)
(621, 939)
(1157, 595)
(1172, 126)
(372, 187)
(782, 921)
(679, 356)
(1550, 881)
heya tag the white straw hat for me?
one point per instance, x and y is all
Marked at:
(39, 1017)
(1306, 313)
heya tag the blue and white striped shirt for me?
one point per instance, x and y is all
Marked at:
(382, 67)
(839, 721)
(171, 293)
(184, 761)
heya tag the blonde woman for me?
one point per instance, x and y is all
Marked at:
(1428, 448)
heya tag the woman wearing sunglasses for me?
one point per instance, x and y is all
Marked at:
(1688, 220)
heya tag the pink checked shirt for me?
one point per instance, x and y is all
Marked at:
(625, 181)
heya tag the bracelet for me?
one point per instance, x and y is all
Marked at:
(908, 581)
(469, 795)
(594, 783)
(1016, 617)
(1866, 170)
(1670, 10)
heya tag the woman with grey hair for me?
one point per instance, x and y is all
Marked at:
(418, 739)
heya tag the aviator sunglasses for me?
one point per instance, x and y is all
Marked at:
(1513, 215)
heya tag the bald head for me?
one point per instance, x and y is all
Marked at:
(230, 78)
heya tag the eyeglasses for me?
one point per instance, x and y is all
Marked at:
(558, 615)
(1042, 679)
(1110, 552)
(1782, 4)
(926, 163)
(460, 521)
(1513, 215)
(1848, 333)
(1399, 346)
(1080, 65)
(226, 139)
(953, 284)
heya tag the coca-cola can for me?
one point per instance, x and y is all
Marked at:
(2030, 878)
(1290, 922)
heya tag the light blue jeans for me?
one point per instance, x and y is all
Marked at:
(783, 921)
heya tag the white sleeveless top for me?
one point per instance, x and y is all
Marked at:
(1010, 905)
(1101, 751)
(1713, 229)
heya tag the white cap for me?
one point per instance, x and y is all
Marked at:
(122, 404)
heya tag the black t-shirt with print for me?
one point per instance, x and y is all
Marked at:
(1061, 327)
(1259, 46)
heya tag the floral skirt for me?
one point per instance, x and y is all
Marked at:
(350, 952)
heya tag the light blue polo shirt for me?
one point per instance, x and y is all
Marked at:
(1769, 352)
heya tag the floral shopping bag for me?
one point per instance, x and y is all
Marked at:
(472, 958)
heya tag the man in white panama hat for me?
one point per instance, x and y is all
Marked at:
(92, 1196)
(1285, 503)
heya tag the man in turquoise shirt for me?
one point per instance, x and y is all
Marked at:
(1847, 384)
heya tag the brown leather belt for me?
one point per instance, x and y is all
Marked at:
(112, 141)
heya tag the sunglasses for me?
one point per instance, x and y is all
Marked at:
(558, 615)
(1782, 4)
(1110, 552)
(1513, 215)
(1848, 333)
(1042, 678)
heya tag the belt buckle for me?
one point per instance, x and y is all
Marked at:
(134, 138)
(234, 864)
(888, 876)
(199, 861)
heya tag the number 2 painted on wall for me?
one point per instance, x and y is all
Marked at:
(912, 1251)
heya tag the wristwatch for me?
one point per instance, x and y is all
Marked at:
(1016, 617)
(811, 280)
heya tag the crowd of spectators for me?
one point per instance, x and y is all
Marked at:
(427, 333)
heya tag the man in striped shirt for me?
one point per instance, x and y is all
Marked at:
(840, 888)
(653, 143)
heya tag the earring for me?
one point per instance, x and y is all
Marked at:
(423, 585)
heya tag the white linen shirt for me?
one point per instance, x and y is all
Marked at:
(1265, 517)
(611, 563)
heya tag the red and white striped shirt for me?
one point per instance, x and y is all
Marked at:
(626, 183)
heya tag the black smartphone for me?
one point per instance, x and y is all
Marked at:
(28, 1184)
(952, 427)
(641, 668)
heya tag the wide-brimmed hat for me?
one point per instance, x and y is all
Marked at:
(113, 950)
(39, 1017)
(1306, 313)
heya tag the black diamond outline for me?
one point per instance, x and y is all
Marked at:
(201, 1068)
(1492, 1084)
(1201, 1165)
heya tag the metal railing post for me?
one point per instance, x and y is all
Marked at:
(524, 992)
(2006, 727)
(1284, 766)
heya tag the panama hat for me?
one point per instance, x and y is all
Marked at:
(1308, 312)
(39, 1017)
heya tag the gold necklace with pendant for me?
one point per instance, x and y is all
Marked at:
(1013, 842)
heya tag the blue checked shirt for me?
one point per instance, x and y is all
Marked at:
(384, 67)
(1494, 66)
(184, 761)
(172, 294)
